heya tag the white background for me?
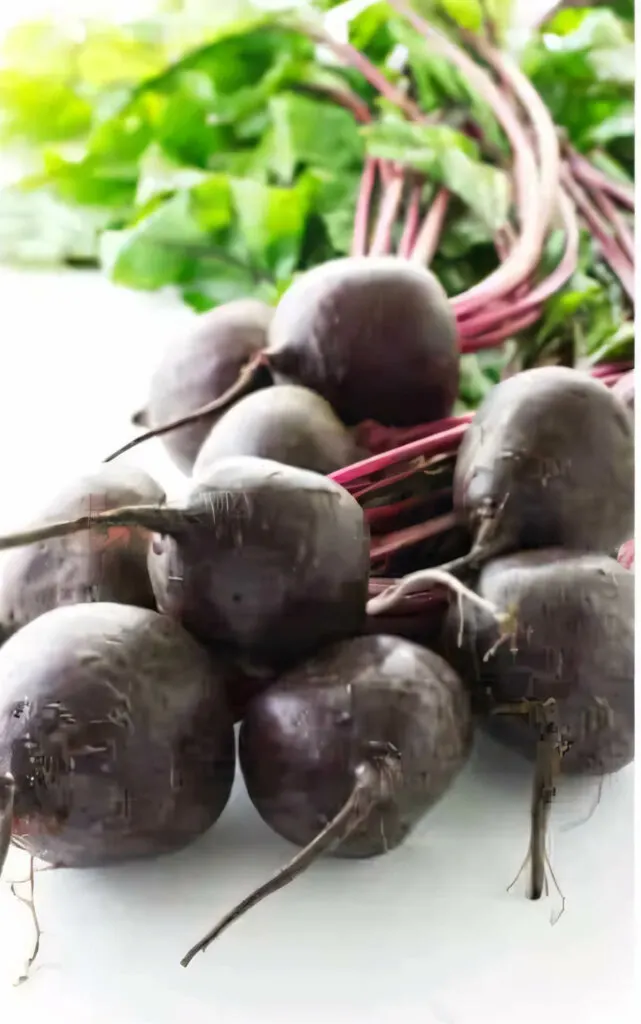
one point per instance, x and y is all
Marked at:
(427, 934)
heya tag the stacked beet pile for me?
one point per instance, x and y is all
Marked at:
(357, 575)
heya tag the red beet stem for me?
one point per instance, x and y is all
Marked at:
(389, 207)
(430, 231)
(622, 231)
(561, 275)
(437, 444)
(361, 221)
(589, 175)
(539, 117)
(601, 232)
(512, 326)
(399, 539)
(412, 218)
(526, 253)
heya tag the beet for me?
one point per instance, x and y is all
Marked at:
(350, 749)
(574, 643)
(74, 570)
(375, 336)
(201, 366)
(548, 460)
(264, 561)
(114, 724)
(561, 686)
(288, 424)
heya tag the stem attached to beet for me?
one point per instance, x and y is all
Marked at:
(389, 207)
(594, 178)
(430, 231)
(363, 204)
(372, 785)
(412, 219)
(424, 579)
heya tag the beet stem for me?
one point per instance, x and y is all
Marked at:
(368, 788)
(397, 540)
(412, 217)
(622, 231)
(389, 206)
(7, 800)
(248, 381)
(591, 176)
(429, 234)
(361, 221)
(157, 518)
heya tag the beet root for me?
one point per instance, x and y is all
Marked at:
(200, 367)
(264, 561)
(114, 724)
(77, 569)
(548, 460)
(375, 336)
(287, 424)
(573, 645)
(348, 751)
(624, 390)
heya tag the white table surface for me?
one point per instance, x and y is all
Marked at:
(427, 934)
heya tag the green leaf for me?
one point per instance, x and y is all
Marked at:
(617, 347)
(466, 13)
(155, 251)
(309, 132)
(272, 222)
(159, 175)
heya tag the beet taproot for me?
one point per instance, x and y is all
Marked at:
(349, 750)
(288, 424)
(375, 336)
(263, 561)
(90, 567)
(114, 725)
(547, 460)
(200, 366)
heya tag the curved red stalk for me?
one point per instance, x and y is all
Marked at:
(601, 233)
(434, 445)
(412, 218)
(525, 255)
(622, 231)
(542, 124)
(430, 231)
(559, 276)
(361, 221)
(595, 178)
(399, 539)
(511, 326)
(389, 206)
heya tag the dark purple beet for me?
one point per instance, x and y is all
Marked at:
(574, 643)
(548, 460)
(199, 367)
(263, 562)
(375, 336)
(111, 566)
(114, 724)
(624, 389)
(288, 424)
(350, 749)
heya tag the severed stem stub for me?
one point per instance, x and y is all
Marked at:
(7, 799)
(372, 785)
